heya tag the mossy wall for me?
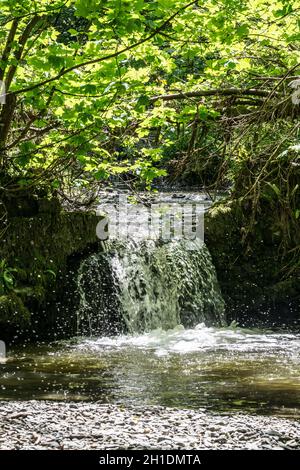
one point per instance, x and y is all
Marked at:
(37, 250)
(253, 277)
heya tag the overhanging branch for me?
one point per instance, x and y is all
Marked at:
(215, 92)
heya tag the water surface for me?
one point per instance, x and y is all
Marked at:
(217, 368)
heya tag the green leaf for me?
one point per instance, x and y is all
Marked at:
(142, 103)
(242, 30)
(8, 280)
(51, 272)
(275, 188)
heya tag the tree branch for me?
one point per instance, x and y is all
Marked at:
(8, 108)
(30, 122)
(216, 92)
(18, 54)
(8, 46)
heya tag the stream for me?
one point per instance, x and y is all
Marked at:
(221, 369)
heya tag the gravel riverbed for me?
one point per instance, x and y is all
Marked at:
(60, 425)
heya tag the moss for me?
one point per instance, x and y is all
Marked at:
(251, 275)
(288, 288)
(13, 312)
(29, 294)
(38, 249)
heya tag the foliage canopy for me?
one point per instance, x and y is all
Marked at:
(117, 87)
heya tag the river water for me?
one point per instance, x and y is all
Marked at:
(222, 369)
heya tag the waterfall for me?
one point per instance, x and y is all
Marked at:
(141, 285)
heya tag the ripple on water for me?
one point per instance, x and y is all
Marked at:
(218, 368)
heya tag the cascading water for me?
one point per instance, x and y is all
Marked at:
(142, 285)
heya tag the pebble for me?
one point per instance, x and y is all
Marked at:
(67, 425)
